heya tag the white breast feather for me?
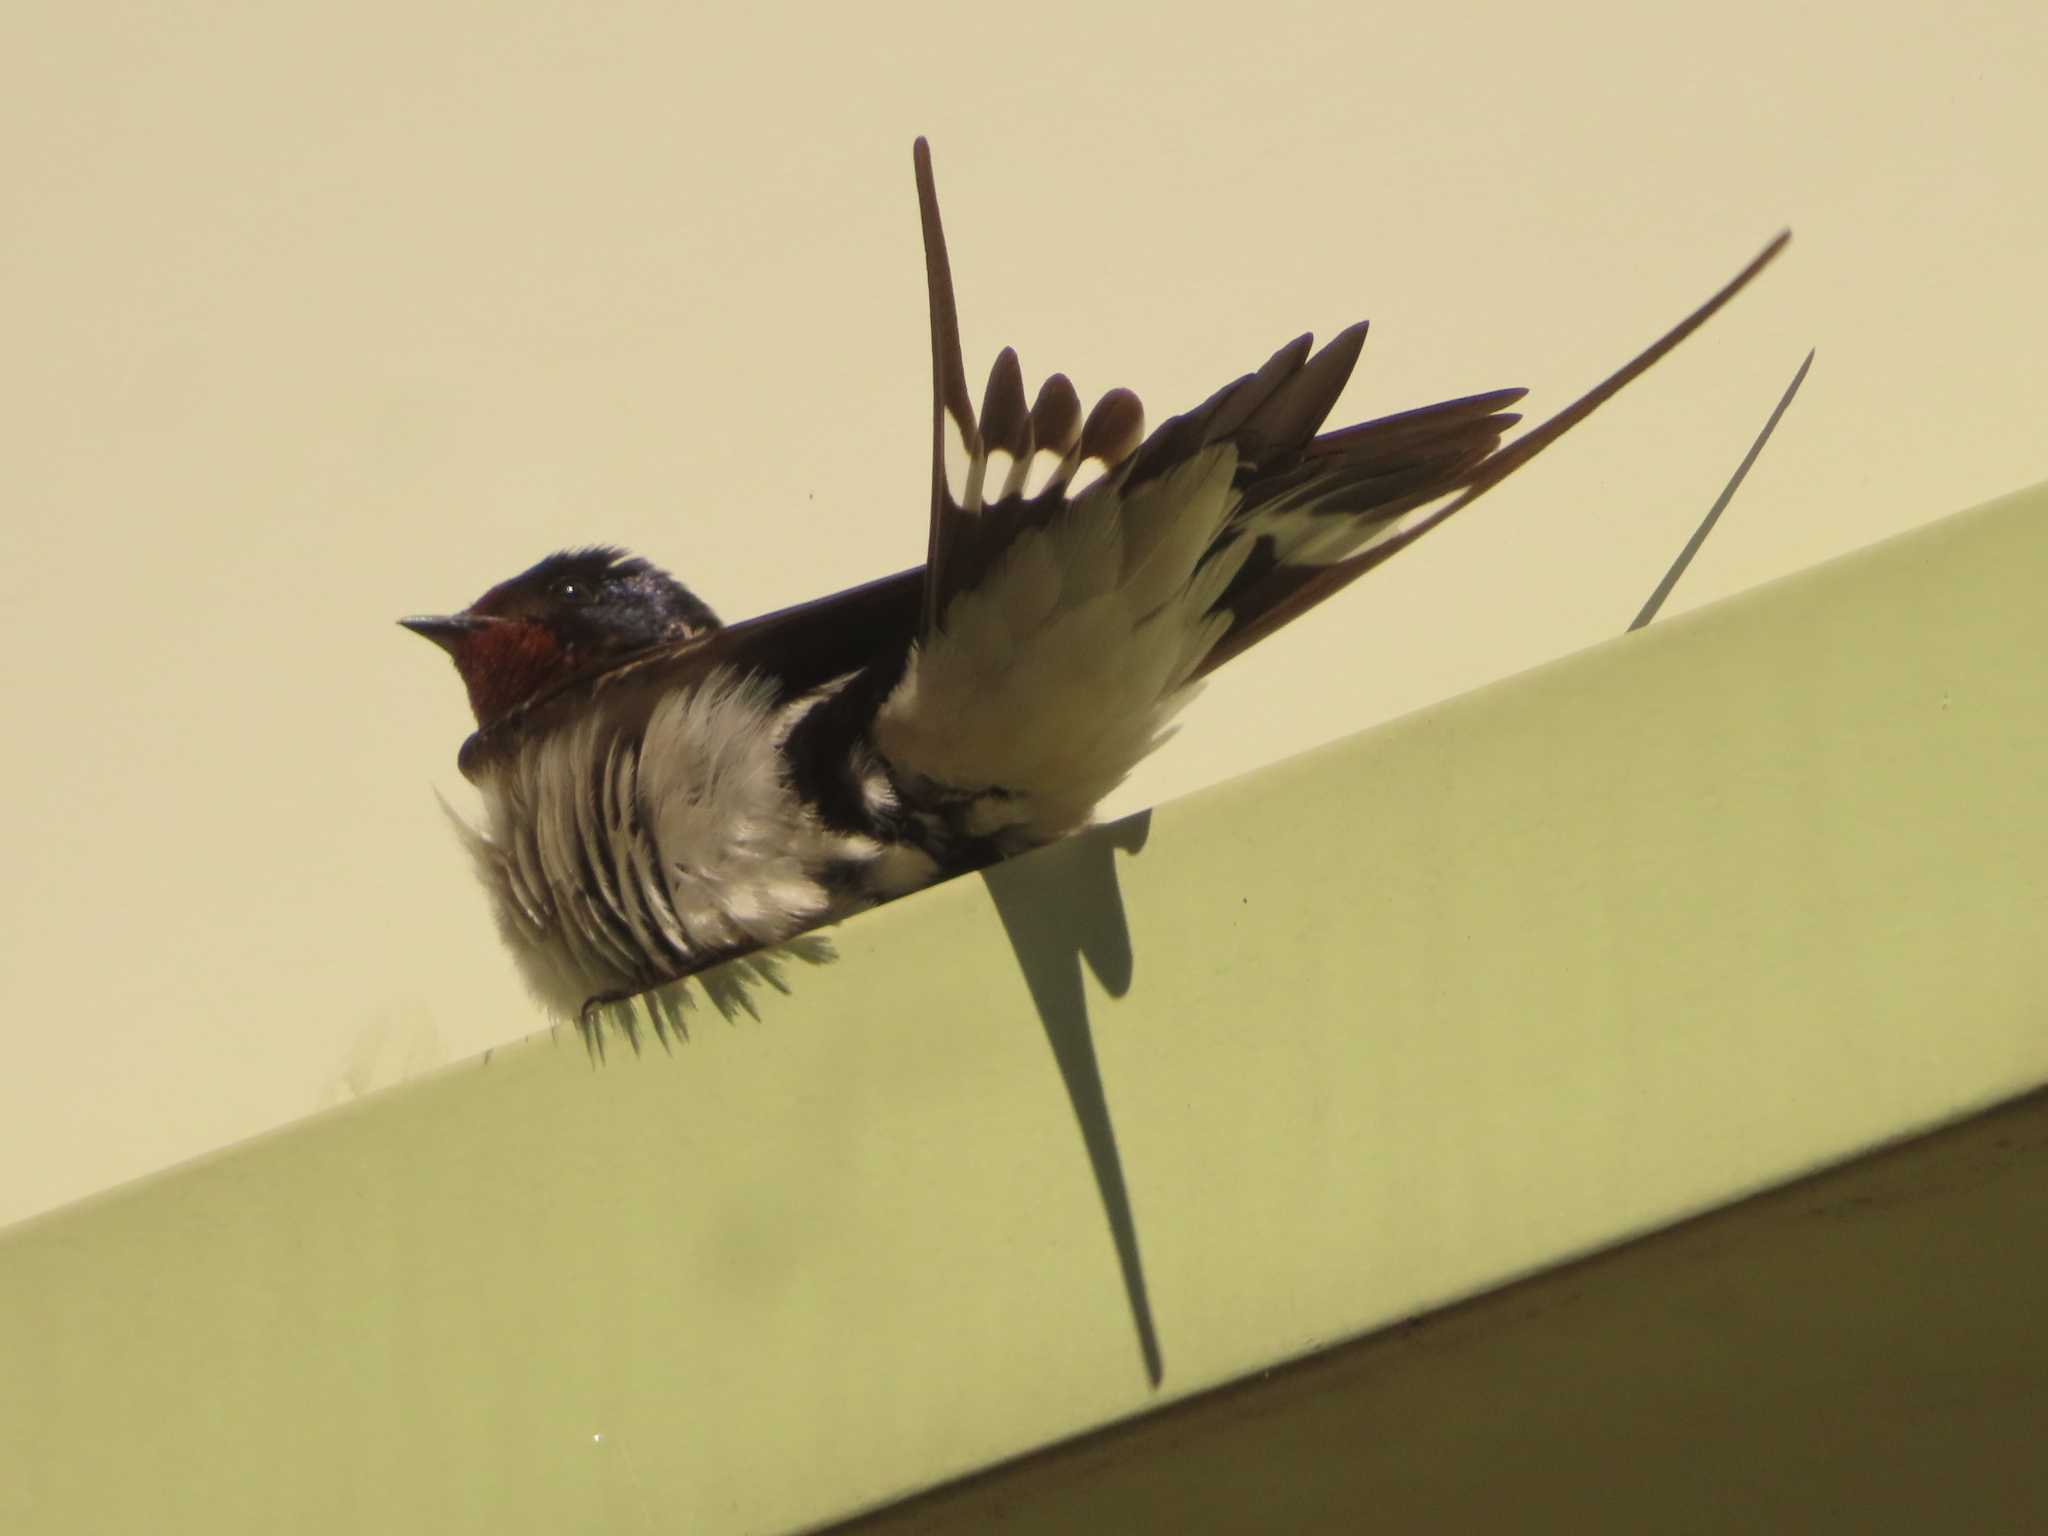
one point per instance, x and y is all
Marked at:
(687, 842)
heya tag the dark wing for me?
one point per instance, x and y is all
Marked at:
(797, 648)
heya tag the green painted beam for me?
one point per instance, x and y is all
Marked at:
(1505, 982)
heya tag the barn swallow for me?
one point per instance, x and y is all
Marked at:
(663, 792)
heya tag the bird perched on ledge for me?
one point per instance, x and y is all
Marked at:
(663, 792)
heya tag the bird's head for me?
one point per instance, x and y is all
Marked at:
(572, 613)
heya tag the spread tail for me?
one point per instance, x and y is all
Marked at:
(1082, 575)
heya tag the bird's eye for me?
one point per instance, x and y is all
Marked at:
(574, 591)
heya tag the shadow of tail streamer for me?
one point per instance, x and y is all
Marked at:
(1061, 908)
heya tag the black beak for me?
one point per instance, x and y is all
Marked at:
(445, 629)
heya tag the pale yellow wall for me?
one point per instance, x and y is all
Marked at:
(315, 317)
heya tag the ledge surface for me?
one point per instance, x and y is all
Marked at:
(1505, 982)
